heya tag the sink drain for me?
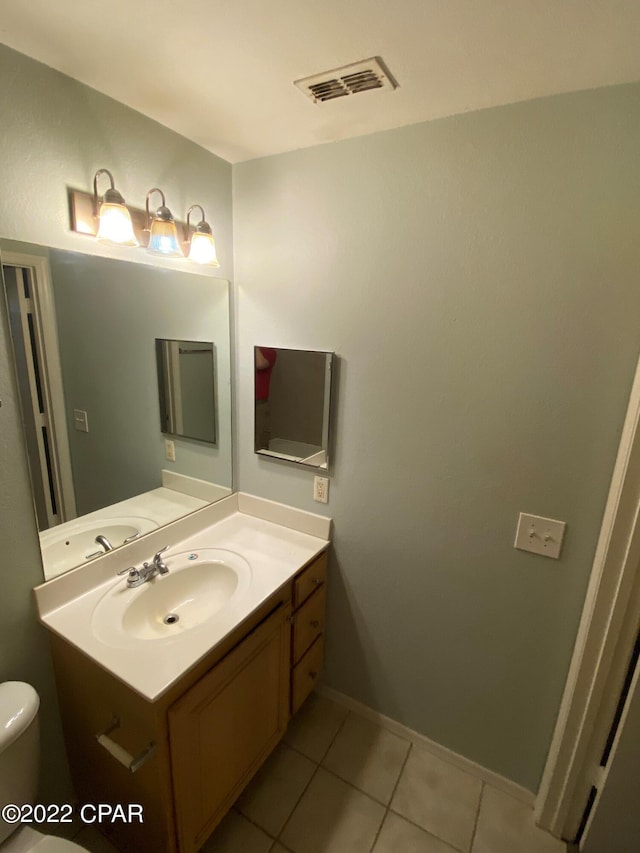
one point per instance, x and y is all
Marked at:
(171, 619)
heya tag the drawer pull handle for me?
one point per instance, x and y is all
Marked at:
(118, 752)
(316, 581)
(314, 623)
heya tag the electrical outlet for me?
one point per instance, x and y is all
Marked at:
(321, 489)
(170, 450)
(540, 535)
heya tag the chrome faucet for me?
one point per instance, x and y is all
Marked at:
(102, 540)
(157, 566)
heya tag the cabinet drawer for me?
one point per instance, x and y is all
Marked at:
(310, 579)
(308, 623)
(306, 674)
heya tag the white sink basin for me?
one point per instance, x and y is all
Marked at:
(74, 542)
(198, 586)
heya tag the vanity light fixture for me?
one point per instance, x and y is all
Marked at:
(115, 224)
(110, 221)
(202, 247)
(163, 234)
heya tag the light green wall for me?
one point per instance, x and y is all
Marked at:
(479, 278)
(55, 133)
(113, 312)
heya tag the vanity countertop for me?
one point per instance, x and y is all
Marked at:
(178, 496)
(275, 540)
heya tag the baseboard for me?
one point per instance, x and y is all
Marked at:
(489, 776)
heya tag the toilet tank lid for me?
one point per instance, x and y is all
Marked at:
(19, 704)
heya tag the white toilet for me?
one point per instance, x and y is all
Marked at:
(19, 755)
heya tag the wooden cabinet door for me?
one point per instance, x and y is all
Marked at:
(89, 697)
(224, 727)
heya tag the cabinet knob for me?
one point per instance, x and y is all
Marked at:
(316, 581)
(314, 623)
(313, 675)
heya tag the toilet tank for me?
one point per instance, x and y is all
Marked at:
(19, 747)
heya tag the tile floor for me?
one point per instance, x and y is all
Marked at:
(340, 784)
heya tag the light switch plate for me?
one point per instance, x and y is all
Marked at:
(540, 535)
(80, 420)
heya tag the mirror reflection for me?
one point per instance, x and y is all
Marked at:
(186, 389)
(84, 332)
(292, 404)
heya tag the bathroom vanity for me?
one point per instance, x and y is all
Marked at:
(179, 715)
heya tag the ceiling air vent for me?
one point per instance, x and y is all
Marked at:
(349, 80)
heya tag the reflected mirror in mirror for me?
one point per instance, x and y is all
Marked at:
(84, 331)
(292, 404)
(186, 389)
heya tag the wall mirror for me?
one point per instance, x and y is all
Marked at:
(84, 331)
(186, 389)
(293, 404)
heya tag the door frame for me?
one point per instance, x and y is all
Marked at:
(603, 647)
(52, 388)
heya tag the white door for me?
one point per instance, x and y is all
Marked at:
(579, 760)
(29, 297)
(614, 825)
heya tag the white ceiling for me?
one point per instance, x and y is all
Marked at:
(221, 73)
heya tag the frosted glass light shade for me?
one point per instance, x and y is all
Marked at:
(163, 239)
(115, 225)
(203, 249)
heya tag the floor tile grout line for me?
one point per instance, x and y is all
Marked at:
(427, 832)
(299, 752)
(378, 831)
(388, 806)
(296, 804)
(326, 752)
(333, 739)
(269, 835)
(475, 823)
(313, 776)
(452, 763)
(402, 769)
(417, 825)
(353, 786)
(276, 838)
(408, 820)
(284, 846)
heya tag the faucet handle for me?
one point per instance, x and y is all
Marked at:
(130, 570)
(159, 563)
(157, 559)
